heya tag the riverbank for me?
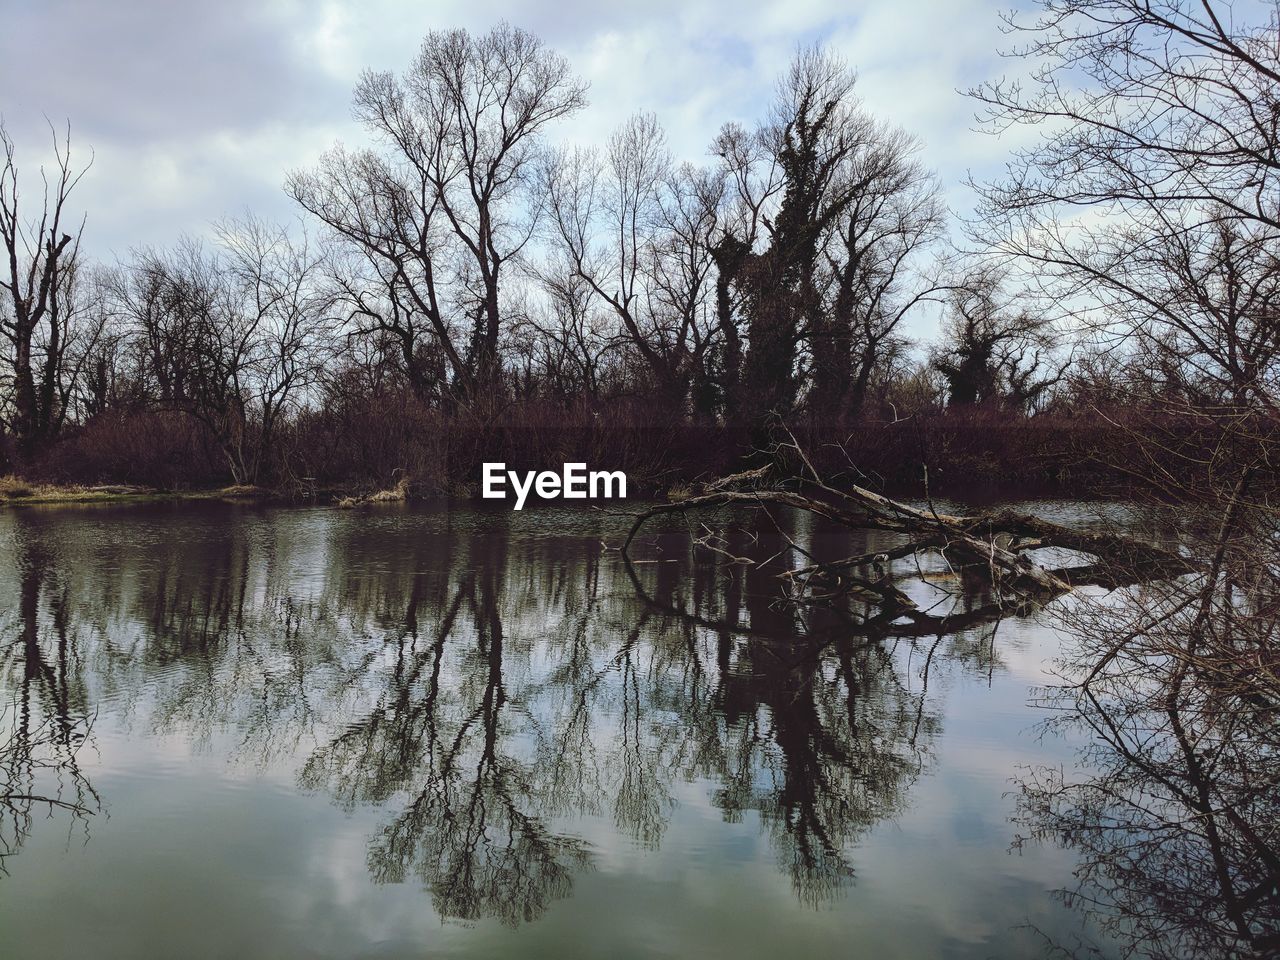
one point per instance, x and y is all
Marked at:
(442, 456)
(15, 491)
(969, 454)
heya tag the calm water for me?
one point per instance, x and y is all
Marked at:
(448, 732)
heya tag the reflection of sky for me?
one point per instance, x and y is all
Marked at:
(208, 852)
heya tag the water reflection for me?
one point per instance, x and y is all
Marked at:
(486, 687)
(1174, 809)
(44, 709)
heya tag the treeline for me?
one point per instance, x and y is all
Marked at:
(458, 289)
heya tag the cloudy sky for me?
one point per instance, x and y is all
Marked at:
(196, 110)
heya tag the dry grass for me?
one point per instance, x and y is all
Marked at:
(15, 490)
(397, 494)
(243, 491)
(679, 491)
(11, 488)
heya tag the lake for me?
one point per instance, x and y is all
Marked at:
(455, 732)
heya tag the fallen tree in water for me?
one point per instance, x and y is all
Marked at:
(998, 546)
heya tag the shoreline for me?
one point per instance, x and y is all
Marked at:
(17, 493)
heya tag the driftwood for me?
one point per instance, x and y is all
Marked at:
(994, 546)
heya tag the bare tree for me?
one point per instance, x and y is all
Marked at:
(286, 306)
(1158, 118)
(440, 212)
(875, 266)
(568, 342)
(753, 181)
(814, 129)
(234, 336)
(638, 231)
(820, 255)
(995, 349)
(35, 310)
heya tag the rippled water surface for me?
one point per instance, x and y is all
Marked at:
(448, 732)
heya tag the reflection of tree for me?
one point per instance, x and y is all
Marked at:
(1177, 820)
(488, 691)
(810, 724)
(521, 686)
(438, 737)
(44, 724)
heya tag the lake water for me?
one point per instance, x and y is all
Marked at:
(451, 732)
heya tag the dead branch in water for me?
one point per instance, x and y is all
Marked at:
(995, 545)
